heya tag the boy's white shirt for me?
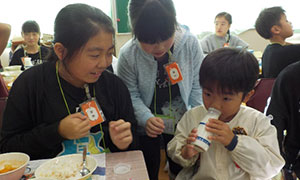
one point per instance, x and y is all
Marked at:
(257, 153)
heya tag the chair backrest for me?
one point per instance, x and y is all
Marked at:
(3, 97)
(263, 89)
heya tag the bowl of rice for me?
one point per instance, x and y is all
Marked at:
(13, 68)
(66, 167)
(13, 165)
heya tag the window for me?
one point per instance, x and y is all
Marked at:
(199, 15)
(16, 13)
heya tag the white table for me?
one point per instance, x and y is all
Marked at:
(133, 159)
(136, 161)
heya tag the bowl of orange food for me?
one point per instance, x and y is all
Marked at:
(13, 165)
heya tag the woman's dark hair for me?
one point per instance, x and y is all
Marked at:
(267, 19)
(75, 24)
(30, 26)
(234, 70)
(152, 21)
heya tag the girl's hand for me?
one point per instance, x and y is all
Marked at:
(188, 151)
(222, 132)
(74, 126)
(154, 126)
(120, 133)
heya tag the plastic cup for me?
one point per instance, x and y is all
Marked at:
(27, 62)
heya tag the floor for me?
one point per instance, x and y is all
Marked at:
(163, 175)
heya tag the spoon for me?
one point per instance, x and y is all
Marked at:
(84, 171)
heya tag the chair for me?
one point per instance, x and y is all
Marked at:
(2, 107)
(3, 88)
(263, 89)
(3, 97)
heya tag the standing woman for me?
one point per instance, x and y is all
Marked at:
(222, 36)
(44, 112)
(31, 34)
(159, 99)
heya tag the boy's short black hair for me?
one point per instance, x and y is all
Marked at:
(152, 21)
(267, 19)
(30, 26)
(233, 70)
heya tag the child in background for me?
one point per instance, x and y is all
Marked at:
(272, 24)
(222, 36)
(31, 34)
(159, 41)
(243, 144)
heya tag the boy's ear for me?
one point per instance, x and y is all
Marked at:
(248, 96)
(60, 50)
(276, 29)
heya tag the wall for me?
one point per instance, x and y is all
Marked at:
(121, 39)
(120, 21)
(255, 41)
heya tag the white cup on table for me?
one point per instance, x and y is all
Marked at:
(27, 62)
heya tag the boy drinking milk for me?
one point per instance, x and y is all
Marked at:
(243, 141)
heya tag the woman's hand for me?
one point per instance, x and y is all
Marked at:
(188, 151)
(74, 126)
(120, 133)
(154, 126)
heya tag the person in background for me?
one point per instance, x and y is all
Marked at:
(222, 36)
(160, 96)
(284, 108)
(16, 43)
(4, 36)
(243, 144)
(272, 24)
(52, 107)
(32, 48)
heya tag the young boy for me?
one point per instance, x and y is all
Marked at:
(285, 110)
(272, 24)
(243, 144)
